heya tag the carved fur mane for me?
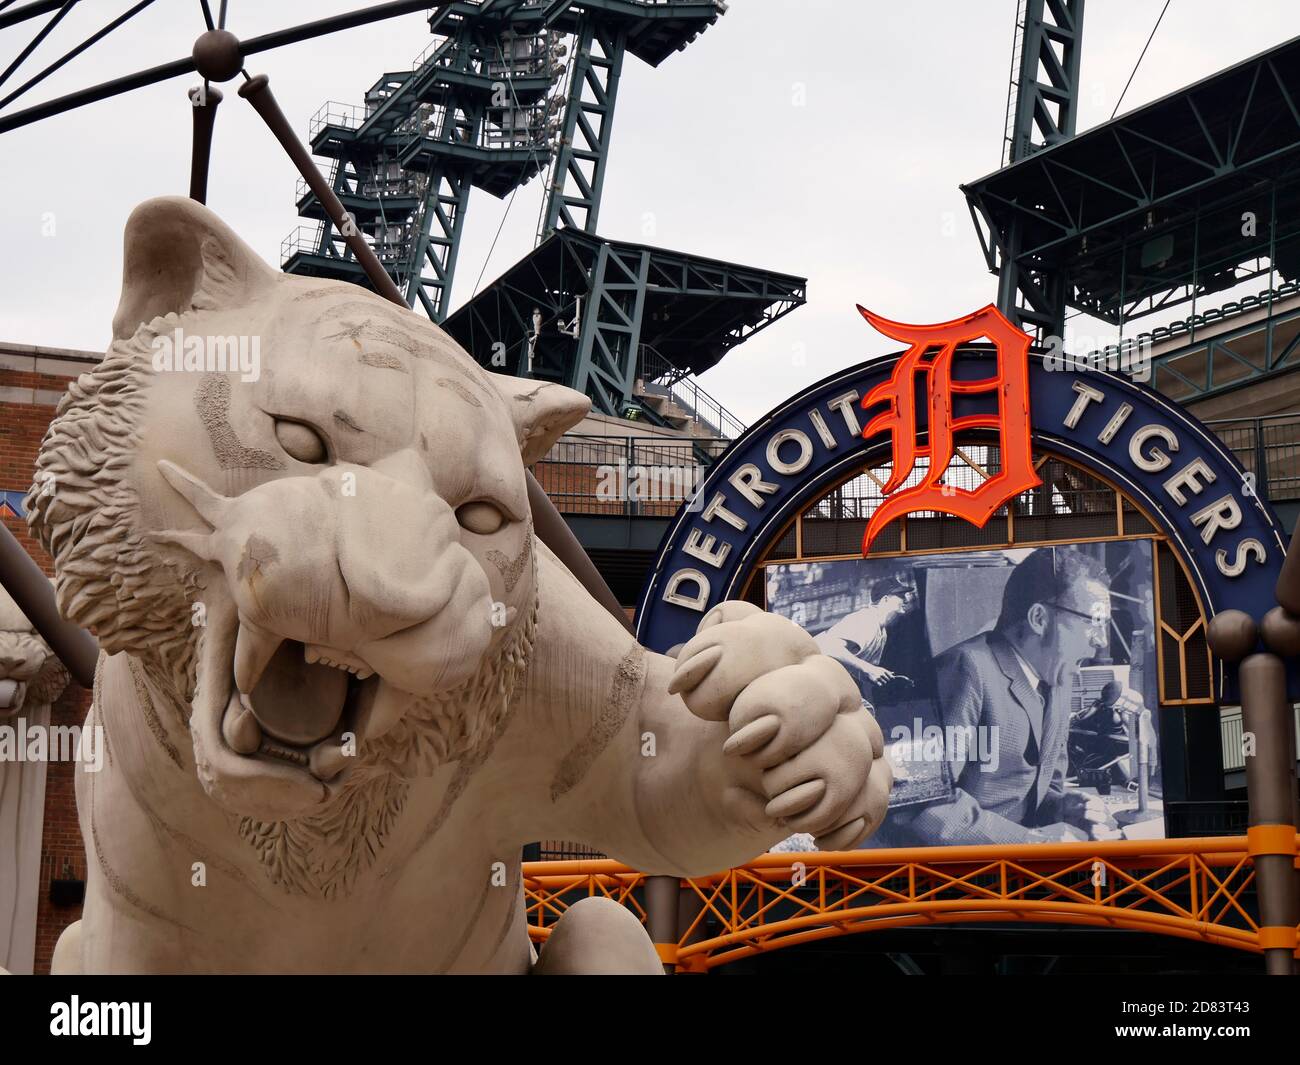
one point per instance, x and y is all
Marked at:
(82, 509)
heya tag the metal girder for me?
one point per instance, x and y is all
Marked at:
(578, 169)
(1043, 97)
(1230, 359)
(604, 366)
(1042, 106)
(397, 101)
(1088, 215)
(447, 120)
(630, 297)
(435, 229)
(445, 128)
(441, 220)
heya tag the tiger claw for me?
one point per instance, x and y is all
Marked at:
(691, 673)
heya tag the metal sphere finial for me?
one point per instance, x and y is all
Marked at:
(217, 56)
(1280, 631)
(1232, 635)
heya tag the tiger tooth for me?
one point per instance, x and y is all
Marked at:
(254, 648)
(389, 704)
(311, 654)
(240, 729)
(327, 761)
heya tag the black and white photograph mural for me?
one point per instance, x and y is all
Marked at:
(1017, 689)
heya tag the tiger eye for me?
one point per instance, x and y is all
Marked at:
(301, 442)
(480, 517)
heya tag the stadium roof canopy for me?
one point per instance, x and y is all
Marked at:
(1185, 196)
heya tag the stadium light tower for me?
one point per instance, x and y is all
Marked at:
(489, 104)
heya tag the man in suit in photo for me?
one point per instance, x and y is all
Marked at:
(1015, 682)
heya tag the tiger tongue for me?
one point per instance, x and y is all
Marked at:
(297, 702)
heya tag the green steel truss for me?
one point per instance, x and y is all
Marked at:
(578, 171)
(487, 105)
(1228, 359)
(1186, 196)
(613, 314)
(472, 112)
(1043, 97)
(1042, 106)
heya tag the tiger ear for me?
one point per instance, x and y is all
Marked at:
(541, 412)
(179, 256)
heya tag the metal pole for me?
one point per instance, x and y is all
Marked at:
(1271, 786)
(631, 504)
(176, 68)
(1267, 718)
(35, 41)
(22, 14)
(36, 79)
(662, 895)
(1272, 275)
(32, 593)
(1196, 274)
(203, 99)
(1261, 461)
(257, 91)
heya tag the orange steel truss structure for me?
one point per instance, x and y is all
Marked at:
(1193, 888)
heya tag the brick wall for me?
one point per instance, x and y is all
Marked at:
(31, 382)
(61, 836)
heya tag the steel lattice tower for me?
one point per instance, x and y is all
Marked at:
(490, 103)
(1042, 109)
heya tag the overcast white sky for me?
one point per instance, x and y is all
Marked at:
(856, 189)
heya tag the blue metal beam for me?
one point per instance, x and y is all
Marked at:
(578, 170)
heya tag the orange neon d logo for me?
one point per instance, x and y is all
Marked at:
(900, 420)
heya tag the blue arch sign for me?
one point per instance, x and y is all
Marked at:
(1188, 482)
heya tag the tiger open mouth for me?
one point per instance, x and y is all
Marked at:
(304, 704)
(301, 709)
(280, 726)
